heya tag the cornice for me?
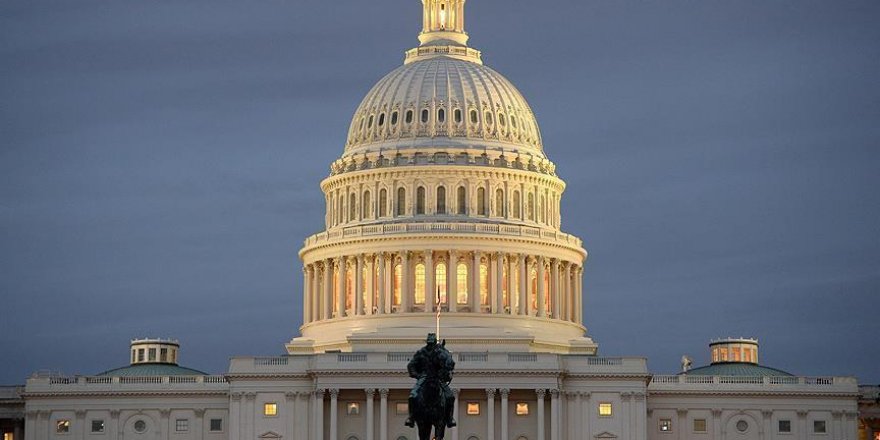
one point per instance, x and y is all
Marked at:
(767, 393)
(45, 395)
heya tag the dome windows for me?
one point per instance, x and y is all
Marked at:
(441, 116)
(394, 118)
(441, 200)
(462, 200)
(481, 201)
(425, 115)
(420, 200)
(502, 120)
(370, 122)
(474, 116)
(409, 117)
(488, 117)
(456, 116)
(383, 202)
(382, 119)
(401, 201)
(513, 121)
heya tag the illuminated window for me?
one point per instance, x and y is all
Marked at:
(665, 425)
(401, 201)
(484, 284)
(481, 201)
(473, 408)
(462, 283)
(398, 283)
(699, 425)
(270, 409)
(335, 286)
(715, 354)
(605, 409)
(533, 283)
(216, 425)
(441, 200)
(97, 426)
(440, 276)
(736, 354)
(785, 426)
(522, 408)
(747, 355)
(819, 426)
(723, 354)
(181, 425)
(420, 284)
(62, 426)
(353, 408)
(505, 291)
(401, 408)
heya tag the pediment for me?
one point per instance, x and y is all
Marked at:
(605, 434)
(270, 435)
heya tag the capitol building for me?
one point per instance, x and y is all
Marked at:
(444, 200)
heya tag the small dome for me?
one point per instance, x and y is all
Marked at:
(736, 369)
(153, 357)
(152, 370)
(438, 100)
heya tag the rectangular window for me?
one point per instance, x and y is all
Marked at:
(665, 425)
(270, 409)
(401, 408)
(181, 425)
(163, 355)
(62, 426)
(785, 426)
(522, 408)
(140, 354)
(353, 408)
(7, 436)
(605, 409)
(473, 408)
(151, 355)
(699, 425)
(97, 426)
(819, 426)
(216, 425)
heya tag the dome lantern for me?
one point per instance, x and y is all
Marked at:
(744, 350)
(443, 23)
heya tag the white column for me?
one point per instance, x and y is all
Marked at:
(370, 392)
(542, 312)
(318, 415)
(334, 413)
(292, 411)
(572, 417)
(383, 285)
(579, 279)
(523, 285)
(307, 289)
(359, 285)
(569, 296)
(586, 412)
(490, 412)
(454, 436)
(554, 414)
(504, 413)
(452, 281)
(371, 285)
(315, 294)
(407, 291)
(250, 426)
(540, 405)
(327, 299)
(475, 283)
(430, 291)
(383, 414)
(497, 277)
(554, 287)
(511, 286)
(340, 285)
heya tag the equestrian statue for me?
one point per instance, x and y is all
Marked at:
(431, 401)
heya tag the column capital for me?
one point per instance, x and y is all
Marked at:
(250, 396)
(81, 413)
(586, 394)
(716, 412)
(360, 258)
(626, 396)
(554, 393)
(164, 412)
(383, 392)
(639, 396)
(334, 393)
(682, 412)
(504, 392)
(766, 413)
(370, 392)
(235, 396)
(291, 395)
(319, 393)
(802, 413)
(541, 392)
(490, 393)
(114, 413)
(199, 412)
(455, 392)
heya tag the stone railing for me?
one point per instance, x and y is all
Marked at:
(124, 383)
(441, 228)
(791, 383)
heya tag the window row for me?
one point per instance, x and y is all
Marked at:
(530, 205)
(391, 120)
(163, 355)
(701, 426)
(98, 426)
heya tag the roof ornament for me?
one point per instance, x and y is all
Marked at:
(686, 363)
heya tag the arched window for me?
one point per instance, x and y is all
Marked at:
(370, 123)
(420, 200)
(440, 279)
(462, 201)
(542, 208)
(398, 284)
(425, 115)
(368, 207)
(456, 115)
(461, 287)
(484, 284)
(382, 119)
(409, 117)
(394, 118)
(441, 200)
(516, 205)
(352, 208)
(499, 202)
(420, 284)
(531, 207)
(501, 120)
(481, 201)
(401, 201)
(474, 117)
(488, 117)
(383, 202)
(441, 116)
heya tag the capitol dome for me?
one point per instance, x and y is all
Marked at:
(435, 99)
(443, 200)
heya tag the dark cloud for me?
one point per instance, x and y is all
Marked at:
(160, 161)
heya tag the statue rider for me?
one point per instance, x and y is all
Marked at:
(432, 359)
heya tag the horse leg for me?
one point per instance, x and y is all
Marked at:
(424, 430)
(439, 431)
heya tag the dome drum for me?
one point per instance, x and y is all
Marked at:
(462, 155)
